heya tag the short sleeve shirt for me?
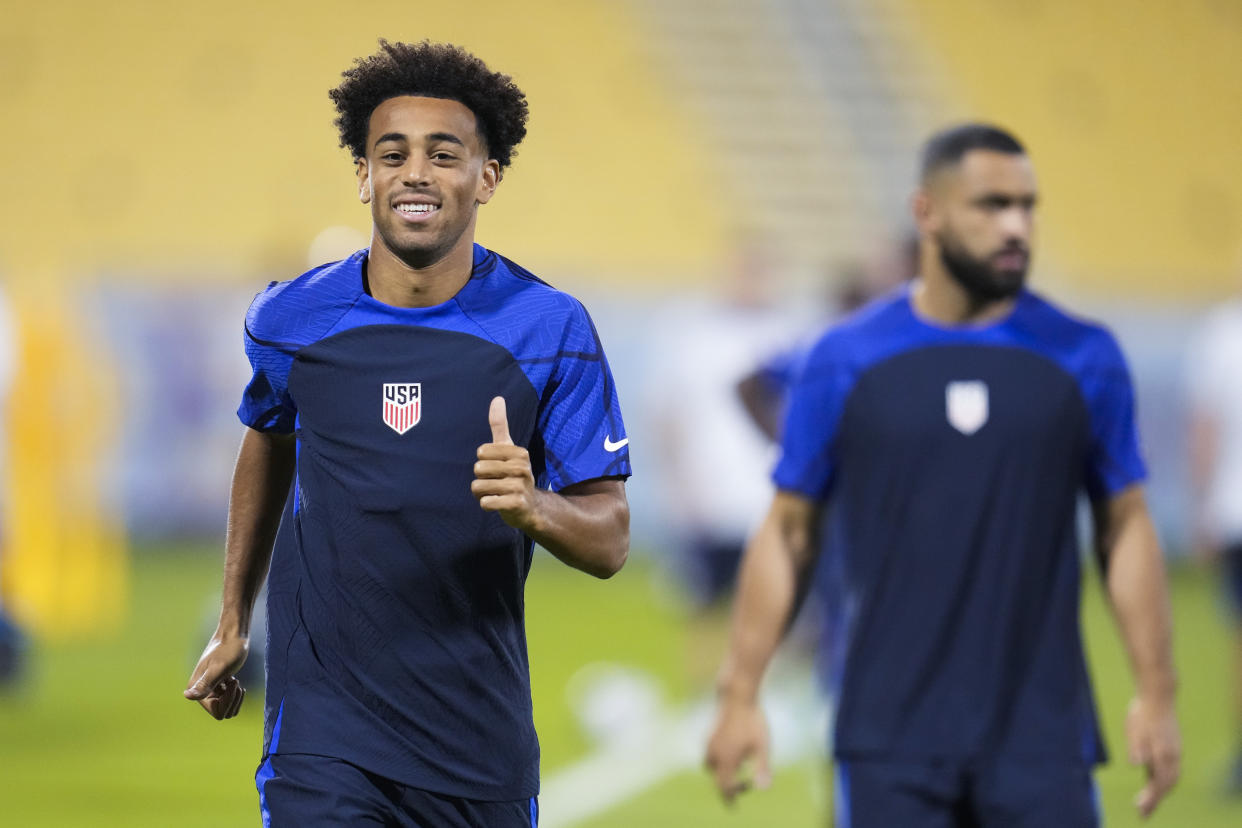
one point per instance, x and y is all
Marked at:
(954, 458)
(396, 609)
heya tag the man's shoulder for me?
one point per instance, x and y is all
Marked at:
(299, 310)
(512, 302)
(1065, 335)
(514, 285)
(882, 315)
(868, 334)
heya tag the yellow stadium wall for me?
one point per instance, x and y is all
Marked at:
(148, 140)
(198, 140)
(1133, 115)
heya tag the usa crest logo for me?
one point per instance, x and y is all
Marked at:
(403, 405)
(966, 405)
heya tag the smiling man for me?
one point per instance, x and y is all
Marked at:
(939, 440)
(438, 409)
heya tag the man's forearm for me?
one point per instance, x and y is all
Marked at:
(586, 527)
(1138, 591)
(1136, 587)
(774, 568)
(265, 466)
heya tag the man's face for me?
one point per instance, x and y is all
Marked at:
(425, 172)
(981, 214)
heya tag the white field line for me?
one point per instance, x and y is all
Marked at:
(669, 742)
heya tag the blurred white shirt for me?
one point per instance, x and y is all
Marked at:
(716, 463)
(1214, 375)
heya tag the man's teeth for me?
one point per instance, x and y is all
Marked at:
(418, 208)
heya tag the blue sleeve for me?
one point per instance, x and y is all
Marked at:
(1114, 459)
(817, 400)
(579, 416)
(266, 404)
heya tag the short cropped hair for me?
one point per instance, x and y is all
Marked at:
(432, 70)
(948, 146)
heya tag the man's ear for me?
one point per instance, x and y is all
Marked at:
(489, 180)
(923, 210)
(364, 181)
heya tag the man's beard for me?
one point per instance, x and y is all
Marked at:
(978, 277)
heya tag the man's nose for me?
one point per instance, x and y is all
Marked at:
(1016, 222)
(416, 171)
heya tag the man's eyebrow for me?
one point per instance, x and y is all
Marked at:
(445, 136)
(1007, 198)
(391, 136)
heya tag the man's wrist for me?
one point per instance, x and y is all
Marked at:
(233, 628)
(734, 689)
(1159, 690)
(534, 522)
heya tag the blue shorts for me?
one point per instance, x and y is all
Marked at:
(304, 791)
(1231, 571)
(708, 568)
(882, 794)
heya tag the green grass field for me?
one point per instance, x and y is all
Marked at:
(102, 737)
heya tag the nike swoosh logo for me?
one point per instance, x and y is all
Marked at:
(609, 445)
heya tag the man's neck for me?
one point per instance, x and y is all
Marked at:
(939, 298)
(394, 281)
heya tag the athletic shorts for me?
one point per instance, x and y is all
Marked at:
(882, 794)
(1231, 571)
(303, 791)
(708, 568)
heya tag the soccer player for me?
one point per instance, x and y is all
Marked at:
(951, 427)
(438, 408)
(1215, 398)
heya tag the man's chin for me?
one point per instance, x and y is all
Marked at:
(994, 289)
(1009, 284)
(410, 245)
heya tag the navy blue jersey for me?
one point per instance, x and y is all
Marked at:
(396, 636)
(953, 459)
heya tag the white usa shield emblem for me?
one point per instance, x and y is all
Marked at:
(403, 405)
(966, 405)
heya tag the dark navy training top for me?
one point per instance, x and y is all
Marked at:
(952, 459)
(396, 636)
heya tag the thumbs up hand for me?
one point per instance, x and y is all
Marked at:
(498, 419)
(503, 480)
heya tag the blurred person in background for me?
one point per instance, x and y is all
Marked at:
(13, 641)
(438, 410)
(953, 427)
(709, 448)
(1214, 386)
(764, 391)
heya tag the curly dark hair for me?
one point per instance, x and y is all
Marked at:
(433, 70)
